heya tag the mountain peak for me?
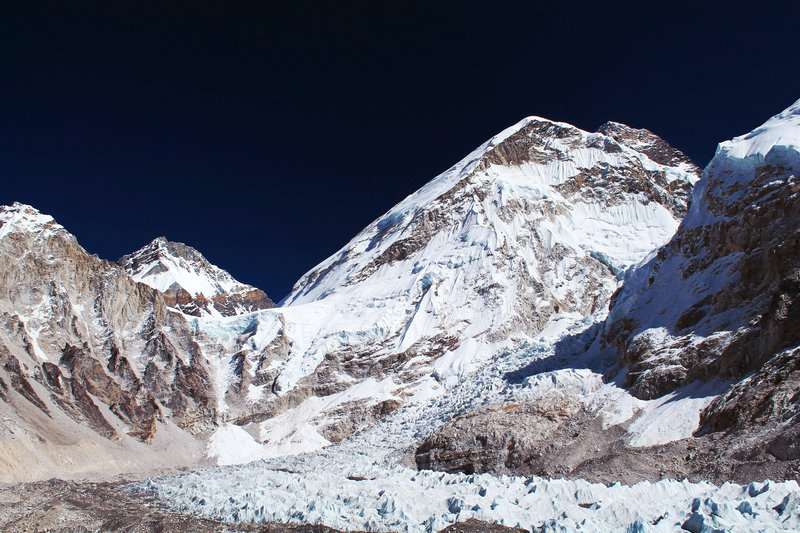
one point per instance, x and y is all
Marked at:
(19, 213)
(538, 134)
(647, 143)
(768, 144)
(23, 218)
(747, 167)
(164, 248)
(190, 282)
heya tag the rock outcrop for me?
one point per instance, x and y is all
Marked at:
(569, 440)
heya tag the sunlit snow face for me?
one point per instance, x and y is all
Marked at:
(516, 238)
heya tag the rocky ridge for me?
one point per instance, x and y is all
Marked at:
(501, 269)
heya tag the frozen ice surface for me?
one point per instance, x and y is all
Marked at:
(361, 483)
(340, 493)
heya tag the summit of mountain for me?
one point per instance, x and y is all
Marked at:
(190, 283)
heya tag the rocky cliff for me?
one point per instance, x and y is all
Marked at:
(730, 270)
(89, 359)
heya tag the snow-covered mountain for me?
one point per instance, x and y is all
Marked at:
(556, 398)
(531, 231)
(705, 338)
(190, 283)
(96, 373)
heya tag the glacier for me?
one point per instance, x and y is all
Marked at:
(363, 483)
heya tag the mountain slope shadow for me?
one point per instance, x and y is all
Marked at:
(576, 351)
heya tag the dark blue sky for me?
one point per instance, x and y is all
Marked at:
(267, 136)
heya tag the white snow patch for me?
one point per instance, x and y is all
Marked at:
(674, 416)
(255, 392)
(232, 445)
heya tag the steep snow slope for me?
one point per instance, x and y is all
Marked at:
(542, 182)
(532, 227)
(190, 283)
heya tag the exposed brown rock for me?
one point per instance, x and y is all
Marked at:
(558, 439)
(474, 525)
(646, 142)
(70, 507)
(757, 250)
(762, 409)
(538, 293)
(86, 406)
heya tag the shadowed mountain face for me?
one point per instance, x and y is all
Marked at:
(731, 271)
(532, 310)
(554, 304)
(733, 275)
